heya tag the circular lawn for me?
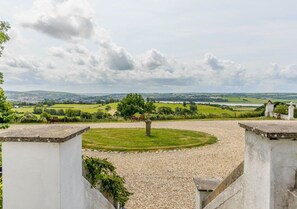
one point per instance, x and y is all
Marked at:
(134, 139)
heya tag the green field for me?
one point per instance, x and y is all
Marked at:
(92, 108)
(136, 140)
(208, 109)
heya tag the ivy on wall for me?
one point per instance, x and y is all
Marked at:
(102, 174)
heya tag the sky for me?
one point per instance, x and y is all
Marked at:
(111, 46)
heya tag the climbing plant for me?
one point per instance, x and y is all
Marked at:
(102, 174)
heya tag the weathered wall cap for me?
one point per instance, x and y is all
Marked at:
(207, 185)
(41, 133)
(272, 130)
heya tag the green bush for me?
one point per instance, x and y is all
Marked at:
(251, 114)
(165, 111)
(29, 118)
(102, 174)
(281, 109)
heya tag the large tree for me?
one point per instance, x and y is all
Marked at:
(6, 113)
(134, 103)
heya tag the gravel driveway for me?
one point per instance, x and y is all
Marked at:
(164, 179)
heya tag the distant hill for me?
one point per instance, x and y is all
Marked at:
(65, 97)
(37, 96)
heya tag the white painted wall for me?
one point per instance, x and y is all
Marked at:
(200, 197)
(230, 198)
(47, 176)
(269, 109)
(256, 172)
(269, 171)
(31, 177)
(94, 199)
(291, 112)
(71, 183)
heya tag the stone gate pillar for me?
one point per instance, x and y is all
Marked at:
(291, 112)
(269, 109)
(42, 167)
(270, 162)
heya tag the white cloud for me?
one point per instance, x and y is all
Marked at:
(57, 52)
(108, 64)
(115, 57)
(62, 19)
(288, 72)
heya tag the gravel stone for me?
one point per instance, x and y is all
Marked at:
(164, 180)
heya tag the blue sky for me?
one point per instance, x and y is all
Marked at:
(150, 46)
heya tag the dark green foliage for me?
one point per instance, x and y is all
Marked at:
(70, 119)
(6, 113)
(183, 111)
(60, 112)
(102, 174)
(72, 113)
(45, 115)
(261, 108)
(29, 118)
(86, 115)
(99, 115)
(165, 110)
(193, 108)
(251, 114)
(131, 104)
(107, 108)
(281, 109)
(37, 110)
(149, 107)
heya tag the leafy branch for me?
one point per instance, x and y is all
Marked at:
(102, 174)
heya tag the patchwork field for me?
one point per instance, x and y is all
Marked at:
(92, 108)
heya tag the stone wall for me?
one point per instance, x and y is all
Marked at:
(230, 198)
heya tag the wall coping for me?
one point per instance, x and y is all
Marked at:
(206, 185)
(41, 133)
(232, 177)
(273, 131)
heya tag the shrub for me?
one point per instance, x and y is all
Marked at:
(85, 115)
(29, 118)
(99, 115)
(193, 108)
(165, 110)
(281, 109)
(251, 114)
(37, 110)
(102, 174)
(60, 112)
(72, 113)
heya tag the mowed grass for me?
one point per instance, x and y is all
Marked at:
(134, 139)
